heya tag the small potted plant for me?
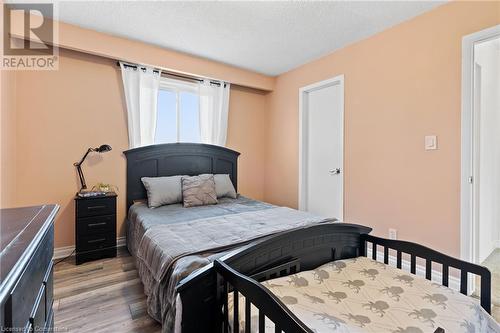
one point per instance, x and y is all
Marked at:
(103, 187)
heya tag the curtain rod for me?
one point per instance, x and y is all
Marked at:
(186, 77)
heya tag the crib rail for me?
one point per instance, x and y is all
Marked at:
(255, 294)
(430, 256)
(268, 305)
(289, 253)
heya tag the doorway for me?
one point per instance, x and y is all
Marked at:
(321, 160)
(480, 188)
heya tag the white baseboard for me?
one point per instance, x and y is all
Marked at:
(63, 252)
(496, 244)
(453, 282)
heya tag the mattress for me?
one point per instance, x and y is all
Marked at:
(170, 242)
(141, 217)
(362, 295)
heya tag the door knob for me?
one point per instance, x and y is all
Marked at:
(334, 171)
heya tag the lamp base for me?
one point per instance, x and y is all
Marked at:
(87, 193)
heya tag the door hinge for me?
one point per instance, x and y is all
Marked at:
(470, 179)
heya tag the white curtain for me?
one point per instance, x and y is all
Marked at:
(214, 109)
(141, 95)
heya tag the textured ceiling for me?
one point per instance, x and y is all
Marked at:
(267, 37)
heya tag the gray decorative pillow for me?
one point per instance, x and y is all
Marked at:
(199, 191)
(224, 186)
(163, 190)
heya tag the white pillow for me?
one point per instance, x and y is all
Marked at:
(224, 187)
(163, 190)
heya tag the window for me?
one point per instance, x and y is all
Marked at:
(178, 117)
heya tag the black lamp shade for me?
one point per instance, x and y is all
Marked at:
(103, 148)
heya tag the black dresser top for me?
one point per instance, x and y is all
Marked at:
(20, 230)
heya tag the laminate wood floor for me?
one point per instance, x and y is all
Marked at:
(101, 296)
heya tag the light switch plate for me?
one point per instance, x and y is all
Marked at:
(430, 142)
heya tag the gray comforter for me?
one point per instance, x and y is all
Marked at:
(169, 246)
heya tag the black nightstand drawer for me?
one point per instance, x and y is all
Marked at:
(95, 227)
(95, 207)
(97, 224)
(97, 241)
(85, 256)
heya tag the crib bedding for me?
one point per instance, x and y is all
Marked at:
(362, 295)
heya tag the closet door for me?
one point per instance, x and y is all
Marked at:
(324, 190)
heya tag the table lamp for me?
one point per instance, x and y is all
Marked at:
(78, 165)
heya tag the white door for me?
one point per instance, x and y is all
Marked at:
(486, 160)
(480, 184)
(322, 141)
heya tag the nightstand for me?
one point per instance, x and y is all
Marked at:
(95, 227)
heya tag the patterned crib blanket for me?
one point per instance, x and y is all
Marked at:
(362, 295)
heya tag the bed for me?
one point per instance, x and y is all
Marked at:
(192, 261)
(324, 280)
(172, 243)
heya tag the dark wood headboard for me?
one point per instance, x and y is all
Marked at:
(173, 159)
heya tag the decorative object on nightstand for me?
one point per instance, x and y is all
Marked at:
(103, 187)
(95, 227)
(83, 189)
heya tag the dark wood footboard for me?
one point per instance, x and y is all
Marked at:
(284, 253)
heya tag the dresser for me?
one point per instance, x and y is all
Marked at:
(26, 268)
(95, 227)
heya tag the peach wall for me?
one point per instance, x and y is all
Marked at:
(62, 113)
(7, 138)
(59, 115)
(51, 117)
(246, 134)
(400, 85)
(7, 133)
